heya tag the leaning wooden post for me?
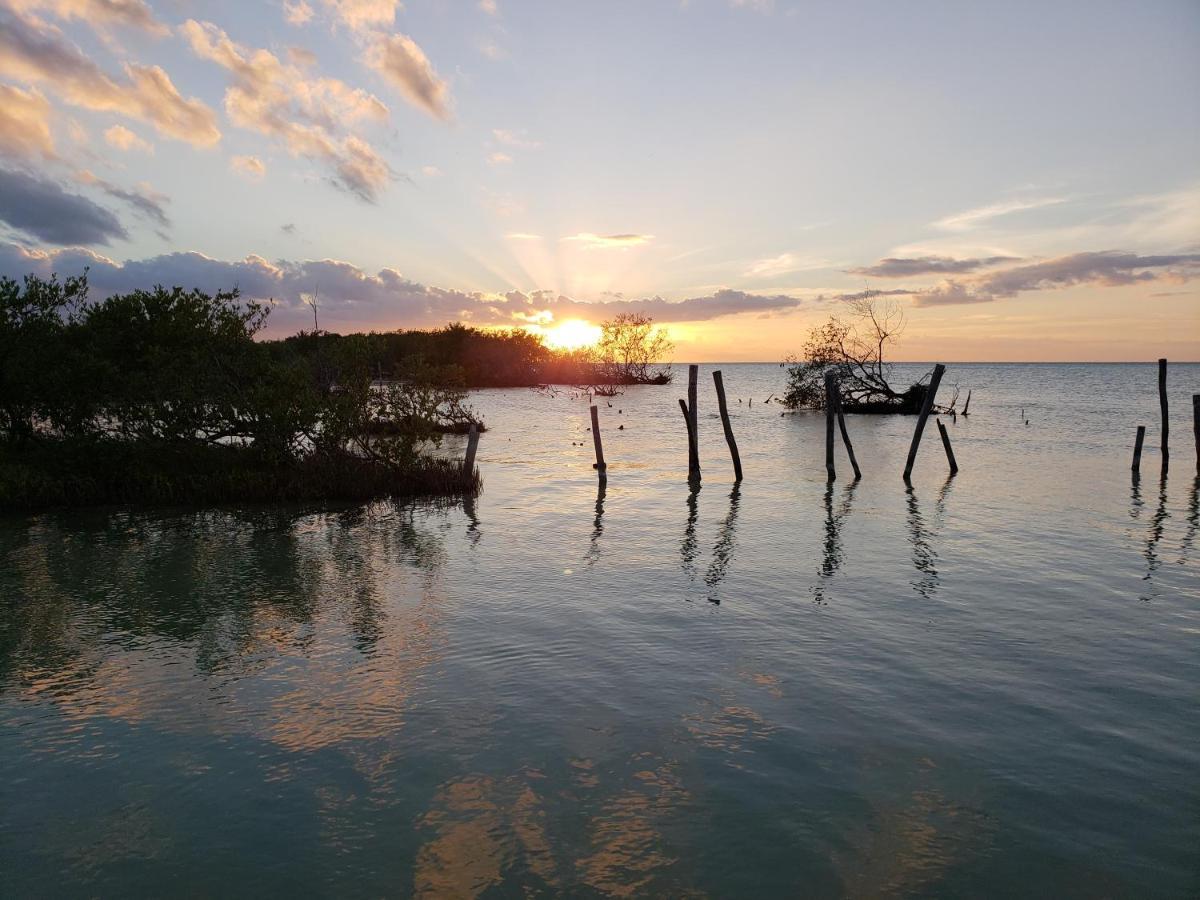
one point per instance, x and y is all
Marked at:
(967, 405)
(938, 371)
(599, 465)
(1137, 449)
(841, 417)
(949, 450)
(472, 446)
(1162, 405)
(1196, 427)
(693, 425)
(733, 450)
(687, 422)
(830, 411)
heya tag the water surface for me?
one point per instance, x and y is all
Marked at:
(984, 685)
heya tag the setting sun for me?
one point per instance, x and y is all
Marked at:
(572, 334)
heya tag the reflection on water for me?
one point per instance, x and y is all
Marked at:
(924, 557)
(375, 701)
(593, 553)
(723, 549)
(688, 547)
(832, 553)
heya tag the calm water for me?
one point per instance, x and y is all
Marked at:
(985, 686)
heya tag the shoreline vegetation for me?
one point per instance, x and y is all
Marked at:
(165, 396)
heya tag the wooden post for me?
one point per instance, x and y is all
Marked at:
(1162, 405)
(687, 421)
(733, 450)
(949, 450)
(1137, 449)
(967, 405)
(599, 465)
(1196, 427)
(693, 424)
(841, 417)
(830, 412)
(938, 371)
(472, 446)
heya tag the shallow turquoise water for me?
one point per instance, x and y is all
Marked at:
(982, 686)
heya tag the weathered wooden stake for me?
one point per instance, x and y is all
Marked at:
(733, 450)
(1137, 449)
(599, 465)
(967, 405)
(841, 417)
(830, 412)
(1196, 427)
(694, 425)
(687, 421)
(938, 371)
(949, 450)
(472, 446)
(1162, 405)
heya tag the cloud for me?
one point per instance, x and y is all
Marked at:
(34, 53)
(782, 264)
(515, 139)
(364, 14)
(972, 218)
(352, 296)
(289, 228)
(523, 236)
(142, 198)
(1108, 268)
(297, 12)
(489, 7)
(305, 114)
(24, 124)
(404, 64)
(302, 57)
(905, 267)
(123, 139)
(498, 159)
(45, 211)
(99, 13)
(248, 167)
(431, 171)
(492, 50)
(609, 241)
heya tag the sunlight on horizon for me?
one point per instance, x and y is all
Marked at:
(571, 334)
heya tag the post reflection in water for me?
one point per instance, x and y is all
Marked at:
(1193, 522)
(473, 532)
(687, 547)
(723, 548)
(832, 556)
(924, 557)
(593, 553)
(1155, 534)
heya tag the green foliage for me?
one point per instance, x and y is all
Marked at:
(164, 394)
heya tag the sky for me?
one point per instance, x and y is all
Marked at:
(1023, 179)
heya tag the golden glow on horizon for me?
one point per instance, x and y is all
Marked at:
(571, 334)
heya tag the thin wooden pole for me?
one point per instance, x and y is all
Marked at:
(830, 412)
(599, 465)
(938, 371)
(472, 446)
(733, 450)
(841, 417)
(967, 405)
(1137, 449)
(687, 421)
(1162, 405)
(694, 424)
(949, 449)
(1196, 427)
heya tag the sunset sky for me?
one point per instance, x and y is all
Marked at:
(1024, 177)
